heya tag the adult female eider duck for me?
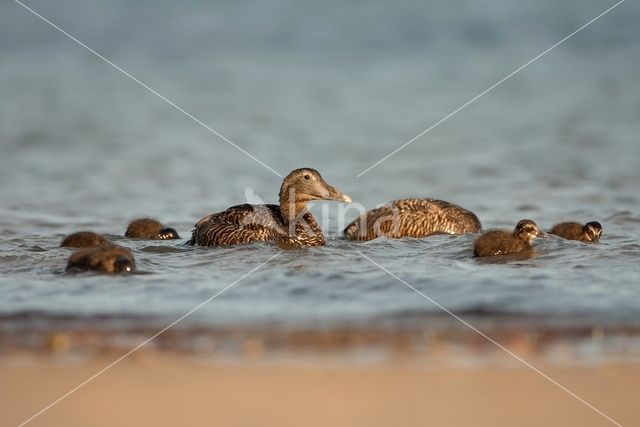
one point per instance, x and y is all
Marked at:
(147, 228)
(83, 239)
(413, 218)
(105, 258)
(289, 224)
(588, 233)
(503, 242)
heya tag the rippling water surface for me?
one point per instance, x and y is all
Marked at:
(335, 87)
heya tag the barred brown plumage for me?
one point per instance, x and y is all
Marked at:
(588, 233)
(289, 224)
(413, 218)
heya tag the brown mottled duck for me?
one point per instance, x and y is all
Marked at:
(83, 239)
(147, 228)
(412, 218)
(289, 224)
(105, 258)
(588, 233)
(503, 242)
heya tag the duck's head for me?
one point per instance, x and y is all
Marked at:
(123, 264)
(592, 231)
(527, 230)
(168, 233)
(305, 185)
(114, 259)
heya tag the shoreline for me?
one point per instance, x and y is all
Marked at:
(434, 371)
(437, 343)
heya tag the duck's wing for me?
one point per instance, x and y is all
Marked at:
(491, 243)
(239, 224)
(501, 242)
(413, 218)
(567, 230)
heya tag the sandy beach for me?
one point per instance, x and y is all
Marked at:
(158, 389)
(339, 377)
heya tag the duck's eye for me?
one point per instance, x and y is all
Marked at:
(307, 176)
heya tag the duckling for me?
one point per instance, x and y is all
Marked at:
(413, 218)
(289, 224)
(501, 242)
(588, 233)
(105, 258)
(147, 228)
(83, 239)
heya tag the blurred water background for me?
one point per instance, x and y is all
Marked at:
(335, 86)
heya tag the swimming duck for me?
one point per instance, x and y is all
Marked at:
(502, 242)
(105, 258)
(413, 218)
(289, 224)
(588, 233)
(83, 239)
(147, 228)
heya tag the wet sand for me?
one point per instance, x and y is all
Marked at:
(164, 389)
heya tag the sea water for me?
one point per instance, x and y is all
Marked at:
(335, 86)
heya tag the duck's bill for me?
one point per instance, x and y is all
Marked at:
(337, 195)
(343, 198)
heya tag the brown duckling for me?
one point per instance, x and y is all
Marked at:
(413, 218)
(588, 233)
(289, 223)
(105, 258)
(502, 242)
(147, 228)
(83, 239)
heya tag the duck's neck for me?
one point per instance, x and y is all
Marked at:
(292, 208)
(293, 212)
(297, 218)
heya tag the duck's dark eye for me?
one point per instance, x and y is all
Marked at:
(307, 176)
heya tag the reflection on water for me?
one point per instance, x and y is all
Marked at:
(335, 87)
